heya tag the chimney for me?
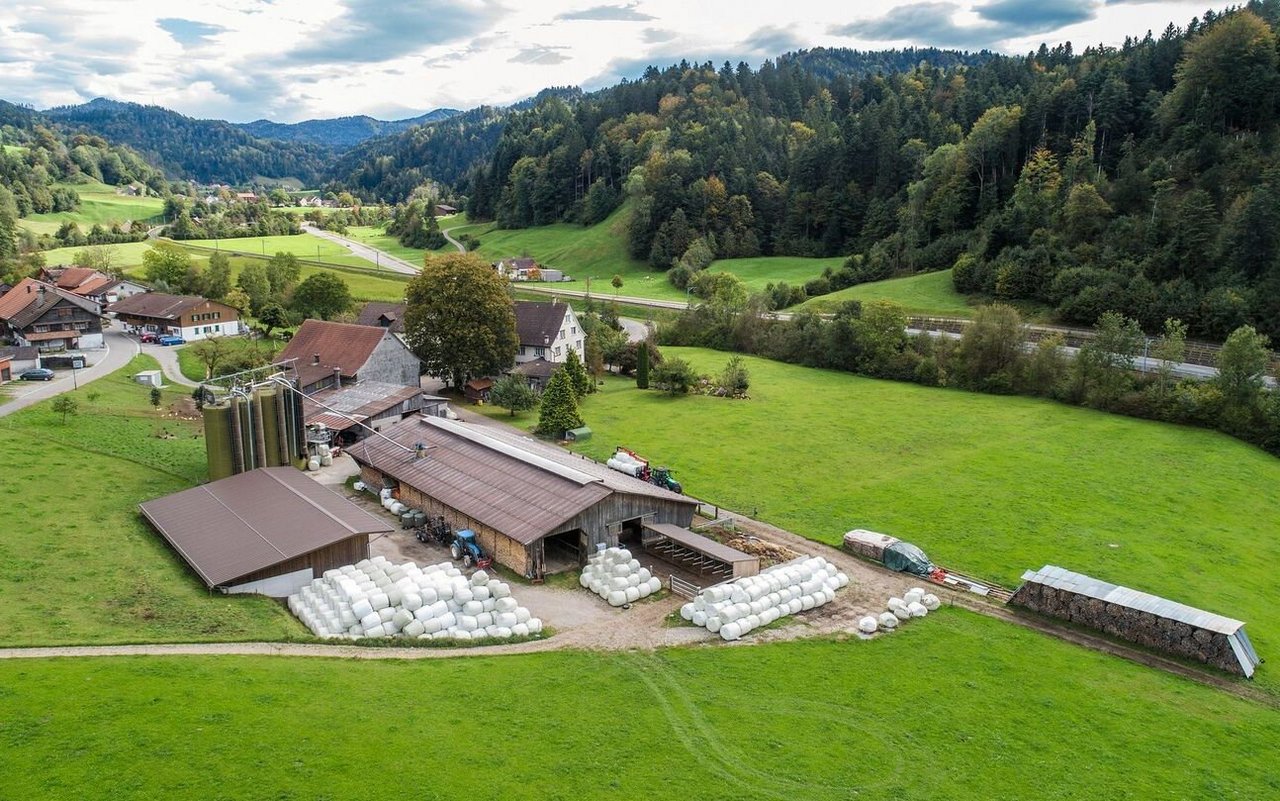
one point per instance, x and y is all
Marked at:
(419, 450)
(40, 296)
(337, 376)
(315, 358)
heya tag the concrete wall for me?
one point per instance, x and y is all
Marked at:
(1158, 633)
(391, 362)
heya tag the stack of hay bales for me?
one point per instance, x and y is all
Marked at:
(915, 602)
(616, 577)
(736, 608)
(375, 598)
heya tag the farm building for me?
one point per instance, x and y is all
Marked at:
(188, 316)
(536, 508)
(346, 411)
(547, 331)
(41, 315)
(1138, 617)
(381, 314)
(327, 355)
(268, 531)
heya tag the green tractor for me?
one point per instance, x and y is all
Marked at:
(661, 476)
(465, 547)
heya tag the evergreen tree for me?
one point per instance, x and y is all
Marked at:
(558, 411)
(642, 366)
(578, 378)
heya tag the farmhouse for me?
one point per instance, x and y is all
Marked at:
(188, 316)
(547, 331)
(88, 283)
(327, 355)
(536, 508)
(536, 373)
(40, 314)
(1138, 617)
(381, 314)
(269, 531)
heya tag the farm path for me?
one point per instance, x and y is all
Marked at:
(167, 356)
(119, 350)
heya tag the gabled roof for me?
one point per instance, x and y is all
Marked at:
(375, 310)
(340, 345)
(22, 305)
(538, 324)
(512, 483)
(538, 368)
(160, 305)
(22, 353)
(236, 526)
(362, 400)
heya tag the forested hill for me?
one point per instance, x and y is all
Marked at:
(828, 62)
(339, 133)
(1143, 178)
(204, 150)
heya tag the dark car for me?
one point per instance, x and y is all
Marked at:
(37, 374)
(170, 339)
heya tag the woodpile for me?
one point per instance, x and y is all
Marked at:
(1143, 628)
(769, 553)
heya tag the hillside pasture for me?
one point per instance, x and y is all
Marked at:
(926, 293)
(955, 706)
(99, 204)
(759, 271)
(988, 485)
(77, 562)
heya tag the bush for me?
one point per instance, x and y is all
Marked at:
(675, 377)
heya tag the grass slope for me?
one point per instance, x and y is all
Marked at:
(759, 271)
(1026, 717)
(124, 256)
(77, 562)
(990, 485)
(99, 203)
(926, 293)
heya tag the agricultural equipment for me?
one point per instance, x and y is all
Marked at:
(627, 461)
(435, 529)
(465, 547)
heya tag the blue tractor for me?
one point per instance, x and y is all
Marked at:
(465, 547)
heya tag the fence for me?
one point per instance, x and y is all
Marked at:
(685, 589)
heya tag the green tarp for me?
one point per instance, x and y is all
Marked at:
(907, 558)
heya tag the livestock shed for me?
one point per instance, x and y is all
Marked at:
(350, 411)
(536, 508)
(268, 531)
(1139, 617)
(696, 553)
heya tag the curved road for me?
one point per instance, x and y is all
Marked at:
(120, 349)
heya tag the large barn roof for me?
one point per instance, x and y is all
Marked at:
(514, 484)
(239, 525)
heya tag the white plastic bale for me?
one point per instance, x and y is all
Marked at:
(506, 619)
(503, 590)
(448, 620)
(402, 618)
(472, 608)
(505, 605)
(584, 580)
(888, 621)
(411, 601)
(913, 596)
(868, 625)
(376, 631)
(386, 613)
(463, 595)
(655, 584)
(523, 615)
(633, 594)
(730, 632)
(460, 634)
(894, 603)
(479, 578)
(467, 623)
(480, 593)
(806, 602)
(930, 601)
(699, 618)
(534, 624)
(644, 574)
(618, 598)
(394, 595)
(520, 630)
(422, 613)
(431, 625)
(917, 609)
(370, 620)
(484, 620)
(901, 613)
(379, 600)
(644, 590)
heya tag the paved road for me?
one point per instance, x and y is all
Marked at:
(168, 358)
(120, 348)
(637, 330)
(453, 241)
(370, 254)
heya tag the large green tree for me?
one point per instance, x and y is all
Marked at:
(512, 393)
(323, 295)
(217, 276)
(460, 321)
(167, 263)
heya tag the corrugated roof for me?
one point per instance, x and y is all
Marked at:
(230, 528)
(538, 324)
(362, 401)
(1080, 584)
(340, 345)
(160, 305)
(701, 544)
(375, 309)
(510, 483)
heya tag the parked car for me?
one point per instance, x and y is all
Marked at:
(148, 337)
(37, 374)
(170, 339)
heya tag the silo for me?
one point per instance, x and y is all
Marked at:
(269, 413)
(217, 440)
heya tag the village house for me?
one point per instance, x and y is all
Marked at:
(89, 283)
(547, 331)
(188, 316)
(40, 314)
(327, 355)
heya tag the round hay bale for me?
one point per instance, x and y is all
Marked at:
(888, 621)
(930, 601)
(917, 609)
(901, 613)
(868, 625)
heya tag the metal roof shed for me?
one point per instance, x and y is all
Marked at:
(268, 531)
(702, 553)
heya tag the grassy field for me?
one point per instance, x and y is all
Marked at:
(989, 485)
(927, 293)
(757, 272)
(125, 255)
(77, 562)
(889, 719)
(194, 369)
(99, 203)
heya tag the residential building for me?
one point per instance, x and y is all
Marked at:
(548, 331)
(381, 314)
(40, 314)
(89, 283)
(21, 357)
(327, 355)
(188, 316)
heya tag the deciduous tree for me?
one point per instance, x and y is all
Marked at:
(513, 394)
(323, 295)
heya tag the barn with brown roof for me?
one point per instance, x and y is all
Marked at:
(381, 314)
(269, 531)
(536, 508)
(327, 355)
(40, 314)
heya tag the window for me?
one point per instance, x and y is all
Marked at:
(573, 329)
(556, 353)
(561, 334)
(216, 315)
(539, 351)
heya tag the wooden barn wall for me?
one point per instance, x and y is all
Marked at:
(503, 549)
(343, 552)
(619, 507)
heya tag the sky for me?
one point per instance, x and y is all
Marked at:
(290, 60)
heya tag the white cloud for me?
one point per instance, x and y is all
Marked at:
(297, 59)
